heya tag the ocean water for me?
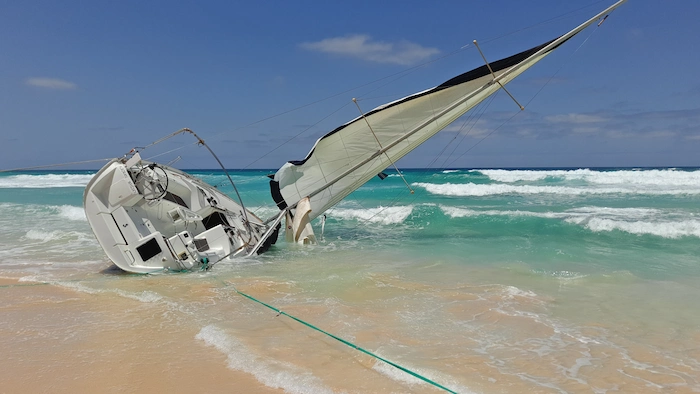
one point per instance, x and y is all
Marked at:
(485, 281)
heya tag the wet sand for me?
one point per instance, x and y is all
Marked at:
(61, 341)
(192, 333)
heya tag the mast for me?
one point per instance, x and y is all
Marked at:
(297, 180)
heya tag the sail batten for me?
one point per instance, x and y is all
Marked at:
(352, 154)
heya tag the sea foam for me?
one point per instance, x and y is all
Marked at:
(72, 213)
(381, 215)
(269, 372)
(638, 221)
(43, 236)
(403, 377)
(665, 177)
(666, 230)
(44, 181)
(480, 190)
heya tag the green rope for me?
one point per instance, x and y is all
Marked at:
(280, 312)
(352, 345)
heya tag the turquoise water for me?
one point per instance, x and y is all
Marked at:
(568, 280)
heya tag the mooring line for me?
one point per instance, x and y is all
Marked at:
(279, 312)
(352, 345)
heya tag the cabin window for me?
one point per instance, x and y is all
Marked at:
(149, 249)
(201, 244)
(214, 220)
(175, 198)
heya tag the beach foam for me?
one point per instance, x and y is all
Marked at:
(72, 213)
(403, 377)
(269, 372)
(533, 292)
(44, 236)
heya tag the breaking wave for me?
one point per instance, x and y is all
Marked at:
(71, 213)
(381, 215)
(471, 189)
(678, 229)
(666, 177)
(269, 372)
(637, 221)
(44, 181)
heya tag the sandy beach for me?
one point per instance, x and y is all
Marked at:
(45, 350)
(562, 287)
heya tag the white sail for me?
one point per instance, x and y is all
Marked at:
(349, 156)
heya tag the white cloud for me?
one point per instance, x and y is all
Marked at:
(478, 130)
(586, 130)
(51, 83)
(575, 118)
(363, 47)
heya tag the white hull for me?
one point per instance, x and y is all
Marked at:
(150, 217)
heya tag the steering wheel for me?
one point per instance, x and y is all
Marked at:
(152, 182)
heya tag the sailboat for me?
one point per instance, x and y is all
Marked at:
(150, 217)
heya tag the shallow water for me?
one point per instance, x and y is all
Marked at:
(485, 281)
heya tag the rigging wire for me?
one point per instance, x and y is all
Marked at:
(55, 165)
(482, 111)
(397, 75)
(531, 99)
(479, 114)
(546, 21)
(297, 135)
(398, 196)
(173, 150)
(400, 74)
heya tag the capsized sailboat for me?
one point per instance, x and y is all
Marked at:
(150, 217)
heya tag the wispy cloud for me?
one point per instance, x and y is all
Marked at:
(363, 47)
(611, 123)
(107, 128)
(575, 118)
(51, 83)
(541, 81)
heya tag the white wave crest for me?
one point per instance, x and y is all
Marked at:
(271, 373)
(145, 296)
(665, 177)
(381, 215)
(479, 190)
(666, 230)
(44, 181)
(403, 377)
(264, 212)
(71, 213)
(638, 221)
(43, 236)
(512, 291)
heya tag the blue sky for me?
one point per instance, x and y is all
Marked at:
(85, 80)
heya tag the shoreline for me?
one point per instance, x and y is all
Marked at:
(42, 352)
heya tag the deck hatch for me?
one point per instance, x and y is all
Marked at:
(148, 250)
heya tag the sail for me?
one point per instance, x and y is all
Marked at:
(349, 156)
